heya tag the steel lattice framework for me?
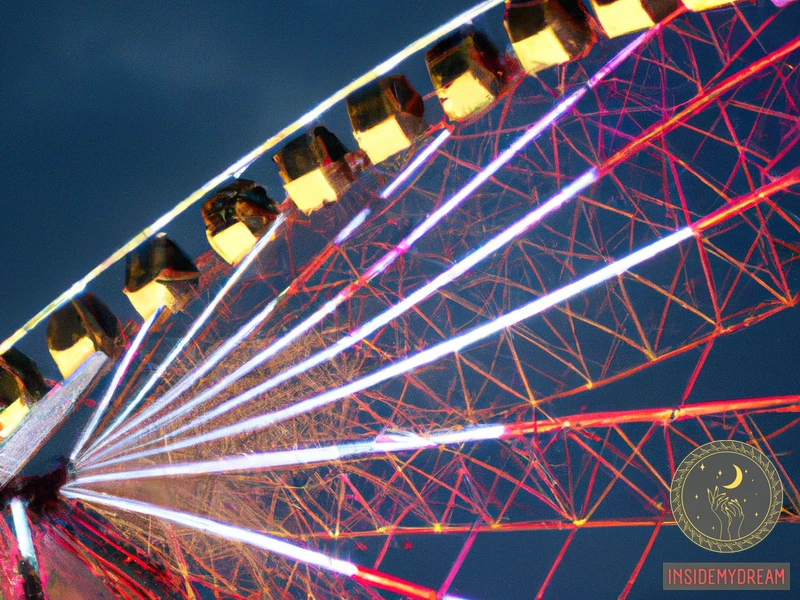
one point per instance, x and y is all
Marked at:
(698, 130)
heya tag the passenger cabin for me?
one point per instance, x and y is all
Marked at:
(236, 216)
(158, 273)
(546, 33)
(466, 72)
(78, 329)
(387, 116)
(21, 385)
(620, 17)
(314, 169)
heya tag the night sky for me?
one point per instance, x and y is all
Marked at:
(110, 113)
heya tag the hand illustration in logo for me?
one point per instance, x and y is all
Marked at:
(717, 500)
(728, 512)
(735, 514)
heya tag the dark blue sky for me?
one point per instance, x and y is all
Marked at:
(110, 113)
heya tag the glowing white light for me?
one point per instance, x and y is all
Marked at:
(222, 530)
(354, 224)
(623, 54)
(121, 370)
(532, 133)
(345, 234)
(268, 237)
(426, 356)
(251, 156)
(446, 277)
(22, 531)
(75, 289)
(218, 355)
(384, 443)
(376, 269)
(416, 163)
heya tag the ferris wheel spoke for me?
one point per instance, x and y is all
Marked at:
(266, 239)
(354, 224)
(363, 575)
(374, 324)
(112, 387)
(420, 359)
(659, 129)
(416, 164)
(494, 326)
(398, 442)
(588, 429)
(531, 134)
(391, 442)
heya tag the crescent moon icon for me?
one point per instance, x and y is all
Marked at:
(737, 480)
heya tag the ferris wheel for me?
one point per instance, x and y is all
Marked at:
(471, 331)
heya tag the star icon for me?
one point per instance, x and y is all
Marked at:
(695, 497)
(702, 467)
(720, 473)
